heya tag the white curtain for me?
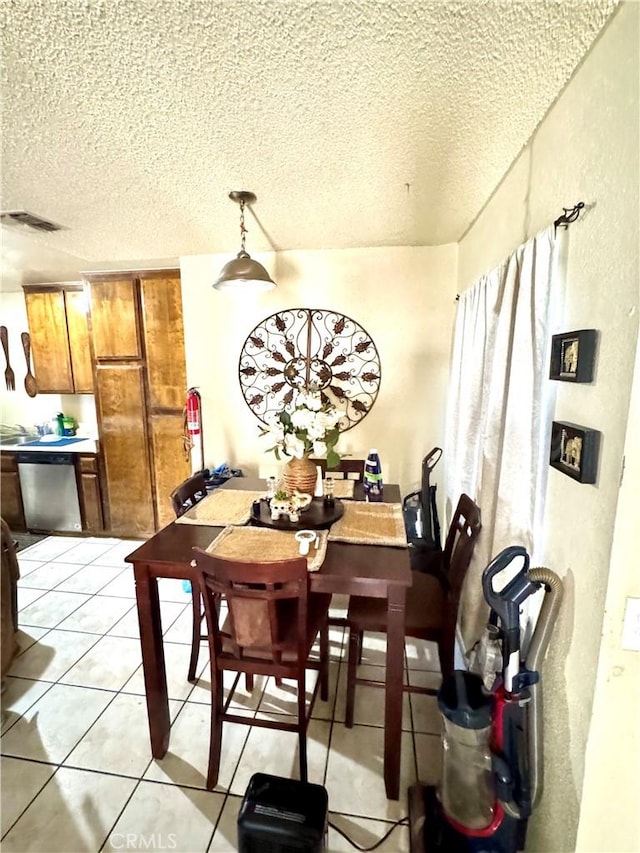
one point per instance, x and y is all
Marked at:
(499, 409)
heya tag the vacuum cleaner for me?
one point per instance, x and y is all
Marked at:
(492, 724)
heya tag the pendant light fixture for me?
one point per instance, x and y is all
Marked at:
(243, 273)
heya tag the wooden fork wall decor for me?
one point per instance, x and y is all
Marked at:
(9, 376)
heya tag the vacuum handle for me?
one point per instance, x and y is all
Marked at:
(506, 602)
(437, 452)
(495, 599)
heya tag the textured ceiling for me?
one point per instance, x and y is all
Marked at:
(356, 122)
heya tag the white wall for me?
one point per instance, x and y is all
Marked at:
(405, 299)
(585, 149)
(612, 823)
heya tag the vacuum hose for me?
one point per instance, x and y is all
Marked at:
(535, 656)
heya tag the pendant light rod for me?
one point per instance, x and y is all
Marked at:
(242, 197)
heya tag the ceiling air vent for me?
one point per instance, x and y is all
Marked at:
(30, 220)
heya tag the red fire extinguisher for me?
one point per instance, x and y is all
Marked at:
(193, 429)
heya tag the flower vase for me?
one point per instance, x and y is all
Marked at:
(300, 475)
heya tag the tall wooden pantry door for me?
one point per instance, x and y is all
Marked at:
(138, 346)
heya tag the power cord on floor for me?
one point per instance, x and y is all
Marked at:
(402, 822)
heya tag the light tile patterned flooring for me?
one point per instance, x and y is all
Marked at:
(77, 774)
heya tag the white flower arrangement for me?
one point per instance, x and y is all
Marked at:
(312, 427)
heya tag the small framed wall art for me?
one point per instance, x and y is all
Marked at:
(573, 355)
(574, 451)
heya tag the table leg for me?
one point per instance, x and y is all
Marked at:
(155, 675)
(393, 691)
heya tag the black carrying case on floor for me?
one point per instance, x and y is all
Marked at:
(280, 815)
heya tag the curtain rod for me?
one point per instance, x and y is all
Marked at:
(570, 215)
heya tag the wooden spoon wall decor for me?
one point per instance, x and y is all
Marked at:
(30, 384)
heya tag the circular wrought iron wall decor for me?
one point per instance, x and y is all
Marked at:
(302, 348)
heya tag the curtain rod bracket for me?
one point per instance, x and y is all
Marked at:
(570, 215)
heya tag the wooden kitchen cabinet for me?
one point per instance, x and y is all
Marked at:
(10, 494)
(163, 338)
(124, 445)
(114, 319)
(170, 467)
(49, 341)
(60, 345)
(76, 304)
(140, 374)
(90, 493)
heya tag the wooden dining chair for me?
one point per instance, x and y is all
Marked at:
(467, 514)
(188, 493)
(346, 469)
(271, 625)
(431, 609)
(8, 597)
(183, 497)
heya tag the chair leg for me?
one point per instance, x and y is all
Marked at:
(324, 662)
(215, 742)
(195, 632)
(248, 681)
(354, 654)
(446, 643)
(360, 645)
(302, 726)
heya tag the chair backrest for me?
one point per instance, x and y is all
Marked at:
(346, 469)
(461, 540)
(188, 493)
(267, 605)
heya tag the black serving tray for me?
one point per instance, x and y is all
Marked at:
(317, 516)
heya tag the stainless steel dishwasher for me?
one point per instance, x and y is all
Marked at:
(49, 491)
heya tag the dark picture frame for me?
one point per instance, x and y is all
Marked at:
(574, 451)
(573, 356)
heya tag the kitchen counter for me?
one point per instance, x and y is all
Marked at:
(87, 445)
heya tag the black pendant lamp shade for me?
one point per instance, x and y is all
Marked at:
(243, 273)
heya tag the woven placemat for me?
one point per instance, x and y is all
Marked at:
(263, 545)
(222, 507)
(370, 524)
(343, 489)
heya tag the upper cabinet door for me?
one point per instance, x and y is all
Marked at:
(164, 341)
(49, 341)
(114, 319)
(77, 304)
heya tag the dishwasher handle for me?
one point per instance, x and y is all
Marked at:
(40, 458)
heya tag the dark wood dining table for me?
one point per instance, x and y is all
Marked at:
(368, 570)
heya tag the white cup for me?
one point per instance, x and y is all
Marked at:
(304, 539)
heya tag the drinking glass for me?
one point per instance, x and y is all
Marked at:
(272, 487)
